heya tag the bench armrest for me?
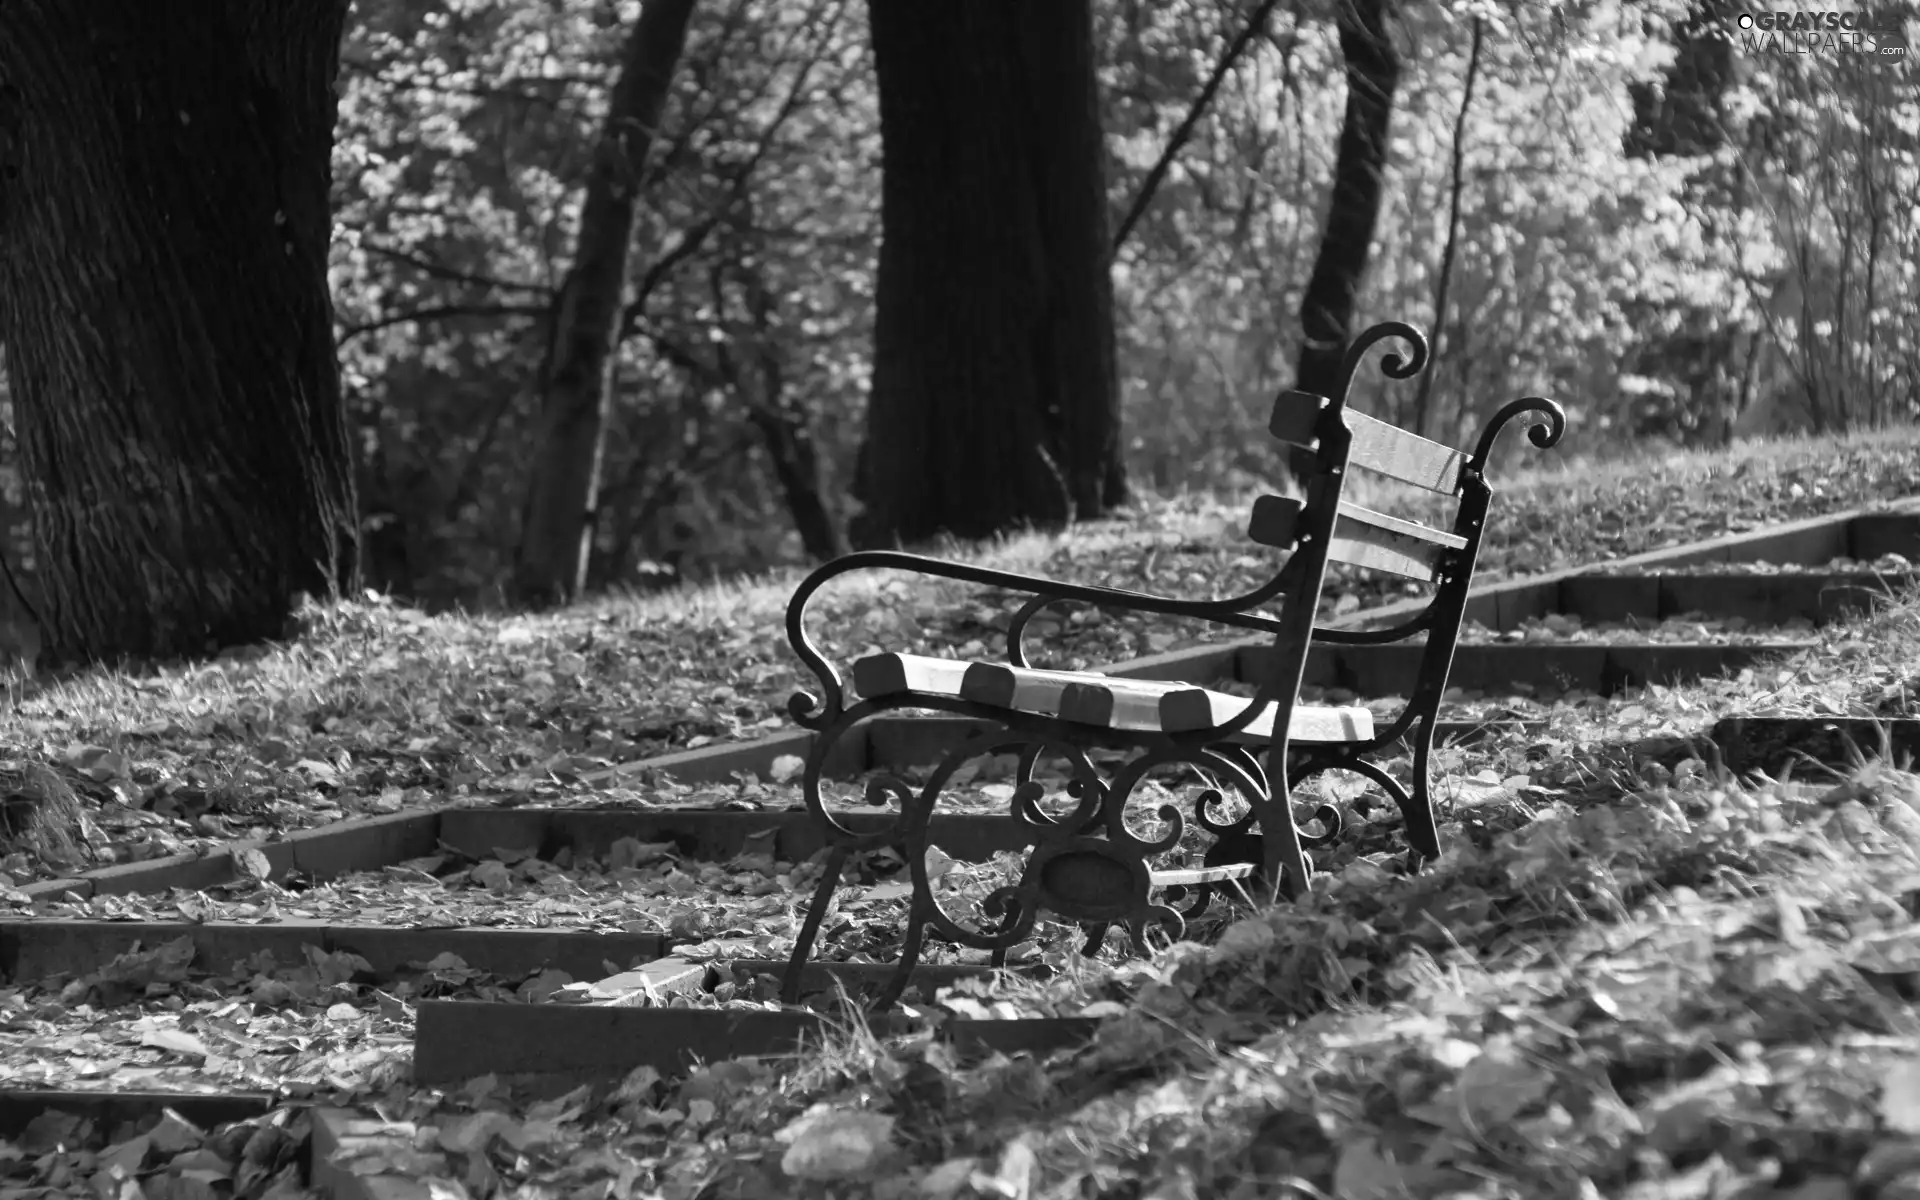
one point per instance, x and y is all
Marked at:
(814, 712)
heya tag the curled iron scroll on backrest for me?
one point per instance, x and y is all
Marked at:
(1392, 366)
(1544, 436)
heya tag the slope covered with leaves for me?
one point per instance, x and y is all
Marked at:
(376, 707)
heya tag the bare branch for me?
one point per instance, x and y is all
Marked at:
(442, 312)
(691, 242)
(439, 271)
(1255, 24)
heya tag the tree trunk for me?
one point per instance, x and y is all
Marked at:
(995, 400)
(788, 437)
(1684, 116)
(1359, 181)
(1456, 186)
(577, 379)
(784, 424)
(164, 174)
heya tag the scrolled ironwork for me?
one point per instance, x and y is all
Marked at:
(812, 711)
(1017, 628)
(1092, 798)
(1393, 366)
(1544, 435)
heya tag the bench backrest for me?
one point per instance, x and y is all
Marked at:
(1326, 527)
(1362, 537)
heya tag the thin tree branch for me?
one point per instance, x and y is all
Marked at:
(438, 271)
(691, 242)
(442, 312)
(1141, 199)
(1425, 394)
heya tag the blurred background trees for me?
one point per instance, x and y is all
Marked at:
(1677, 236)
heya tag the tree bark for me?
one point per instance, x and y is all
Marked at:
(1359, 181)
(995, 400)
(164, 174)
(577, 380)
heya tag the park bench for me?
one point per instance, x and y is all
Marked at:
(1089, 865)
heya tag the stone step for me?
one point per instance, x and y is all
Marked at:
(32, 949)
(1773, 744)
(458, 1040)
(1605, 668)
(1819, 597)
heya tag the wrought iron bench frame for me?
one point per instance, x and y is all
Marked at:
(1088, 866)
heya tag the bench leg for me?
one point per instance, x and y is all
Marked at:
(910, 944)
(1416, 807)
(810, 929)
(1423, 832)
(1284, 867)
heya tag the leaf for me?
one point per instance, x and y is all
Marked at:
(174, 1041)
(249, 862)
(470, 1133)
(128, 1156)
(786, 768)
(1900, 1097)
(197, 907)
(175, 1134)
(632, 852)
(939, 863)
(1363, 1173)
(945, 1181)
(1496, 1087)
(324, 772)
(1018, 1171)
(494, 876)
(835, 1143)
(98, 763)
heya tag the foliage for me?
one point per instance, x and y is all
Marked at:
(1657, 280)
(1745, 286)
(464, 130)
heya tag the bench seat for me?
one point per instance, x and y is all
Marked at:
(1085, 698)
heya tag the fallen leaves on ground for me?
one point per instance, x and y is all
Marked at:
(161, 1157)
(1848, 569)
(1674, 989)
(377, 707)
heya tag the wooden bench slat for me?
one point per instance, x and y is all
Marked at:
(1190, 876)
(1135, 705)
(886, 674)
(1377, 446)
(1361, 537)
(1390, 450)
(1197, 708)
(1369, 539)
